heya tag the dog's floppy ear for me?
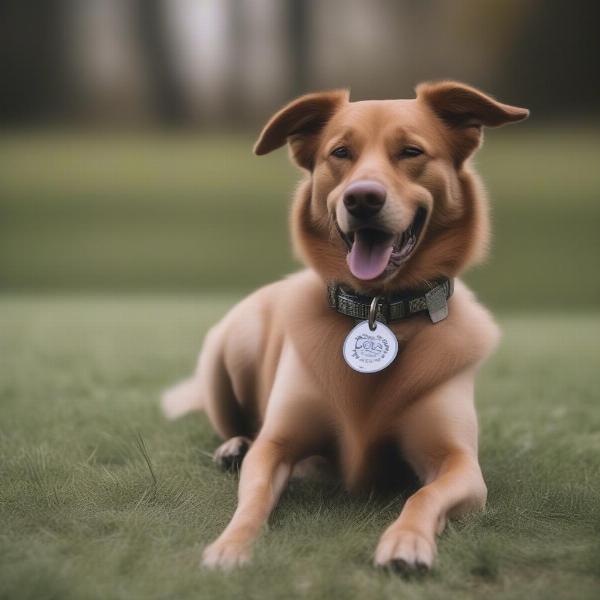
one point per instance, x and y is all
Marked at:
(299, 124)
(465, 110)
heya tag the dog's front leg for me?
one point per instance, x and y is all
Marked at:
(291, 429)
(265, 471)
(438, 435)
(409, 544)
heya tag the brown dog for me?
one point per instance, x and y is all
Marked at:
(389, 212)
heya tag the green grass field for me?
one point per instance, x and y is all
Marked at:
(100, 498)
(117, 252)
(201, 213)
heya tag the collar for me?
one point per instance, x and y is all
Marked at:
(393, 307)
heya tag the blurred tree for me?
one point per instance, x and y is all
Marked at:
(298, 34)
(31, 60)
(117, 60)
(234, 93)
(167, 94)
(555, 61)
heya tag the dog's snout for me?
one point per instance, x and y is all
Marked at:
(364, 199)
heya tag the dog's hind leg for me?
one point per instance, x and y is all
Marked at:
(221, 403)
(210, 389)
(229, 455)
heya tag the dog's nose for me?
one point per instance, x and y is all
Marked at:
(364, 198)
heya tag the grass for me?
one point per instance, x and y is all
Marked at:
(101, 498)
(201, 213)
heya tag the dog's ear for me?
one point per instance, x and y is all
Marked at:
(299, 124)
(465, 110)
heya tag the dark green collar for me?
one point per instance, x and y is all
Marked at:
(394, 307)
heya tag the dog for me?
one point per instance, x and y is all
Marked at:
(388, 215)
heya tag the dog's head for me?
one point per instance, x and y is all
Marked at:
(390, 201)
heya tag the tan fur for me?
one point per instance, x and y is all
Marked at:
(273, 369)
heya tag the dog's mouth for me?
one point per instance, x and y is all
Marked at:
(375, 252)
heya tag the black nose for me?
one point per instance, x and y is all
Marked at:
(364, 198)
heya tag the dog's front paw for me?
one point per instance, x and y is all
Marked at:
(405, 551)
(226, 554)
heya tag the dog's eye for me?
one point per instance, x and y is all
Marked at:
(341, 152)
(411, 152)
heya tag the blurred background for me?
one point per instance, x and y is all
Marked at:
(127, 129)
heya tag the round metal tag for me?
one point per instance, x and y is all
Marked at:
(369, 351)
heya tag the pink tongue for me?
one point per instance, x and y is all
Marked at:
(368, 259)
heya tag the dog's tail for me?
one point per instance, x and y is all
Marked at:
(182, 398)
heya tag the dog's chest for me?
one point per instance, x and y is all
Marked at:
(369, 454)
(366, 412)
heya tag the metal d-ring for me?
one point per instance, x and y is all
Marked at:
(373, 313)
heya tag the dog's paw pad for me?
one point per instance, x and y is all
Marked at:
(406, 569)
(225, 555)
(405, 552)
(229, 455)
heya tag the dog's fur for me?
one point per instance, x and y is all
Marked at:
(272, 370)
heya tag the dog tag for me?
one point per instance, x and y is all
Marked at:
(369, 351)
(437, 304)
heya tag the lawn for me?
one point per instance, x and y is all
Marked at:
(118, 251)
(200, 212)
(100, 498)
